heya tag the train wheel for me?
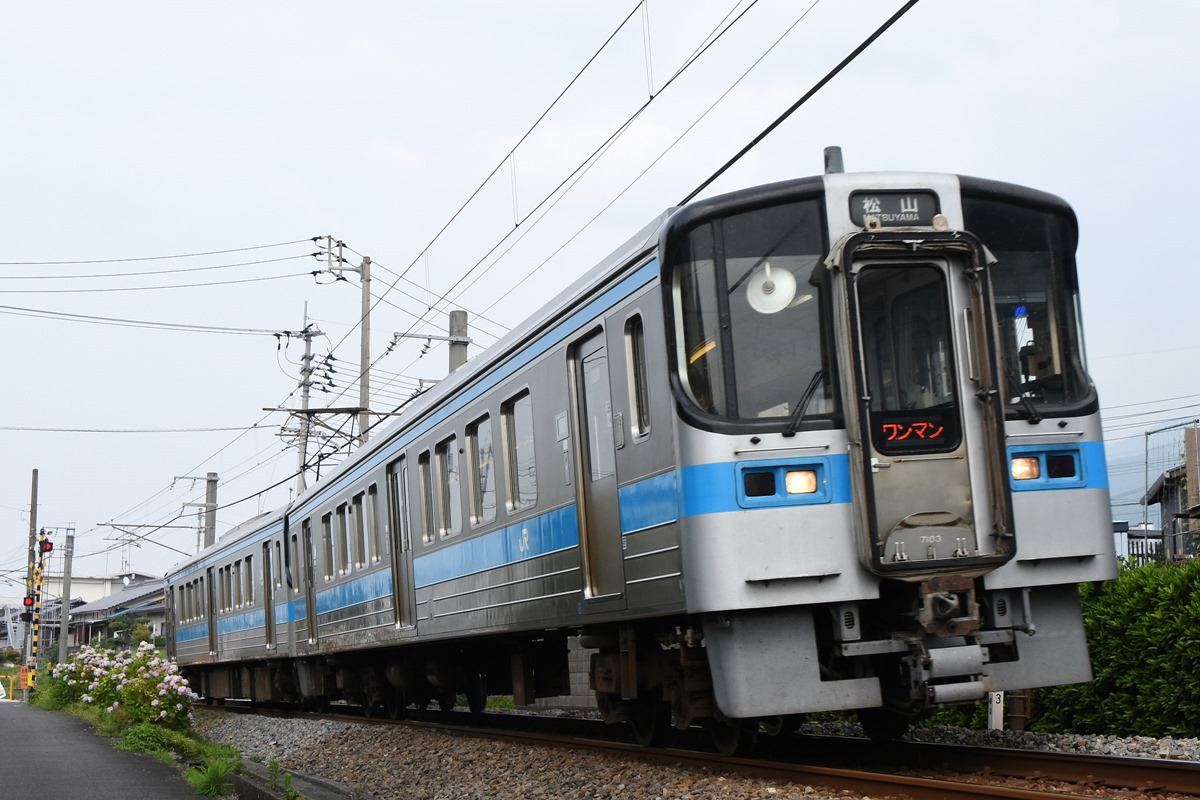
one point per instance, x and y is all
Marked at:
(650, 719)
(395, 702)
(446, 701)
(372, 706)
(733, 738)
(477, 695)
(882, 725)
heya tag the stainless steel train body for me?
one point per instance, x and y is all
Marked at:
(822, 444)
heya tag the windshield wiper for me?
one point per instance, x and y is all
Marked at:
(1023, 395)
(797, 415)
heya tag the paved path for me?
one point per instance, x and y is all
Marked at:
(47, 755)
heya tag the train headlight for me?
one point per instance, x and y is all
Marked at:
(1025, 468)
(800, 481)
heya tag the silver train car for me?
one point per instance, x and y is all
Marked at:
(824, 444)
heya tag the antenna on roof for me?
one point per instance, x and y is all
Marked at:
(833, 160)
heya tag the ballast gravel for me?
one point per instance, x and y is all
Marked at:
(404, 763)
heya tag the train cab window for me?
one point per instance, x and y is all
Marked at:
(639, 387)
(449, 488)
(520, 468)
(749, 333)
(483, 472)
(426, 489)
(1036, 292)
(327, 546)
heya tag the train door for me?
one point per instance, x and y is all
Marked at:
(268, 595)
(403, 593)
(595, 463)
(211, 602)
(931, 491)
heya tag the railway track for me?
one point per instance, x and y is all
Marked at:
(918, 771)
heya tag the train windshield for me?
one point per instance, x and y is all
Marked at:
(749, 333)
(1036, 295)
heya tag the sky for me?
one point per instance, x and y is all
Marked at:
(166, 168)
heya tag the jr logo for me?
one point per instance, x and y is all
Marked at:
(524, 540)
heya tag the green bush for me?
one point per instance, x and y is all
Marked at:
(211, 777)
(1144, 637)
(142, 738)
(133, 686)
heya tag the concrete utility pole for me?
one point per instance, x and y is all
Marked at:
(33, 496)
(210, 509)
(364, 354)
(458, 339)
(306, 371)
(64, 625)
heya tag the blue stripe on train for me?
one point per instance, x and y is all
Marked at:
(191, 633)
(537, 536)
(360, 590)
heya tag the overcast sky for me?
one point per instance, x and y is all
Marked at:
(138, 130)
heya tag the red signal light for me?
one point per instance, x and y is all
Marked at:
(28, 601)
(47, 545)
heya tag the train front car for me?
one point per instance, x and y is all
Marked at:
(891, 470)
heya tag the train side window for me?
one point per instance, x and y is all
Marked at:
(327, 545)
(371, 523)
(249, 576)
(227, 588)
(359, 531)
(341, 522)
(202, 605)
(237, 584)
(397, 498)
(520, 468)
(639, 387)
(483, 472)
(278, 566)
(449, 488)
(426, 489)
(298, 569)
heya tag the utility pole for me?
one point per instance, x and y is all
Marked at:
(210, 509)
(364, 339)
(306, 371)
(458, 339)
(64, 625)
(33, 497)
(364, 354)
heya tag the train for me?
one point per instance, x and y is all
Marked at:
(825, 444)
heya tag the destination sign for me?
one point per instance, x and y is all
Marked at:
(931, 430)
(894, 209)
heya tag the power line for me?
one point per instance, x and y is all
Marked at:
(153, 258)
(131, 323)
(807, 95)
(123, 430)
(153, 272)
(151, 288)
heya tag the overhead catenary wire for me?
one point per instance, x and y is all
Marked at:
(154, 258)
(420, 319)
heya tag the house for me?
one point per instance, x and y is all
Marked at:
(94, 620)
